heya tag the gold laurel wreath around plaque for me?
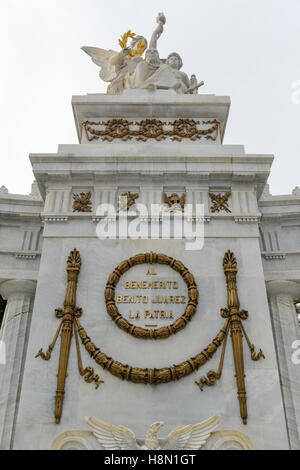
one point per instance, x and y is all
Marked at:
(137, 331)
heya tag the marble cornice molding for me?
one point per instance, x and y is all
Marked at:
(97, 176)
(146, 155)
(282, 216)
(281, 274)
(228, 162)
(153, 218)
(20, 199)
(284, 200)
(27, 255)
(55, 218)
(248, 219)
(285, 253)
(25, 274)
(274, 255)
(18, 217)
(69, 216)
(283, 288)
(75, 165)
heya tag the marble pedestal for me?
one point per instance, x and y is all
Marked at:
(150, 168)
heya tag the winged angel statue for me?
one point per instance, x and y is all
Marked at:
(189, 437)
(127, 69)
(116, 65)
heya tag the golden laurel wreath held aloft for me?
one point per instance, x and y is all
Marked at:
(70, 320)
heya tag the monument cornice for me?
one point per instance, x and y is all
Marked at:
(85, 168)
(17, 274)
(279, 216)
(229, 163)
(288, 200)
(282, 274)
(21, 200)
(16, 215)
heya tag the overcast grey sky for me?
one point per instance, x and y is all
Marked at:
(246, 49)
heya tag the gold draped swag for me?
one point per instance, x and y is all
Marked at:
(150, 129)
(70, 315)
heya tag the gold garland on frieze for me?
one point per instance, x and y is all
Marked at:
(150, 129)
(137, 331)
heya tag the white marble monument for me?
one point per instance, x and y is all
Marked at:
(151, 140)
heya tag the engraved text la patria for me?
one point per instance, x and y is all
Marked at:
(154, 306)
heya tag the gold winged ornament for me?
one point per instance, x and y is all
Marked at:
(189, 437)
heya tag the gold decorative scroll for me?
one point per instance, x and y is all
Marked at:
(69, 316)
(150, 129)
(233, 315)
(137, 331)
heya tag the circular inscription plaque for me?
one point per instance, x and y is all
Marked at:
(154, 313)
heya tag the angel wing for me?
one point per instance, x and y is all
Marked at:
(192, 436)
(112, 437)
(101, 57)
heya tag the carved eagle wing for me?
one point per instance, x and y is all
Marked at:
(192, 436)
(112, 437)
(101, 57)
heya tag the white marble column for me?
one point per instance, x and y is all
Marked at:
(14, 336)
(286, 330)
